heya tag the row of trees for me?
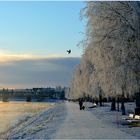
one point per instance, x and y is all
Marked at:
(110, 63)
(36, 94)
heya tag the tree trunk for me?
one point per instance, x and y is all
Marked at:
(113, 104)
(100, 100)
(122, 102)
(118, 107)
(123, 107)
(137, 109)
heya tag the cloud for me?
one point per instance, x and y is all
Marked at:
(8, 58)
(28, 72)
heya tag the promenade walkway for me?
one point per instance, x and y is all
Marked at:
(80, 124)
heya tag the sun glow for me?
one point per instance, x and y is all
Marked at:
(18, 57)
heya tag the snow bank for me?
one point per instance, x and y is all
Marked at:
(41, 126)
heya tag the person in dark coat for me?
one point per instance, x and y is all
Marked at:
(81, 104)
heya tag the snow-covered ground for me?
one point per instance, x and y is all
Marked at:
(115, 119)
(41, 126)
(13, 113)
(66, 121)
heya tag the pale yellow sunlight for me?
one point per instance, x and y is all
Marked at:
(18, 57)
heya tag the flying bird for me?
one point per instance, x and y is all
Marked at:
(68, 51)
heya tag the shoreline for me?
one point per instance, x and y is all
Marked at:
(44, 123)
(19, 117)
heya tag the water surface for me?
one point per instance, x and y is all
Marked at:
(10, 112)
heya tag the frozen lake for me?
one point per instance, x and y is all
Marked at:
(11, 112)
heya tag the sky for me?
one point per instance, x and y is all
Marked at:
(34, 37)
(40, 28)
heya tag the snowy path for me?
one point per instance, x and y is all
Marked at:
(84, 125)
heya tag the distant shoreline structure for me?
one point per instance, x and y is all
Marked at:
(34, 94)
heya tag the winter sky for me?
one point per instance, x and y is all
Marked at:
(34, 37)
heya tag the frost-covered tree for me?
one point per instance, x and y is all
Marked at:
(80, 86)
(112, 55)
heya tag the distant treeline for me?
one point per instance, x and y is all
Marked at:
(37, 94)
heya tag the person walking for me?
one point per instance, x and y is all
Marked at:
(80, 104)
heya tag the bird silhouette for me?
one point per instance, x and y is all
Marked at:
(68, 51)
